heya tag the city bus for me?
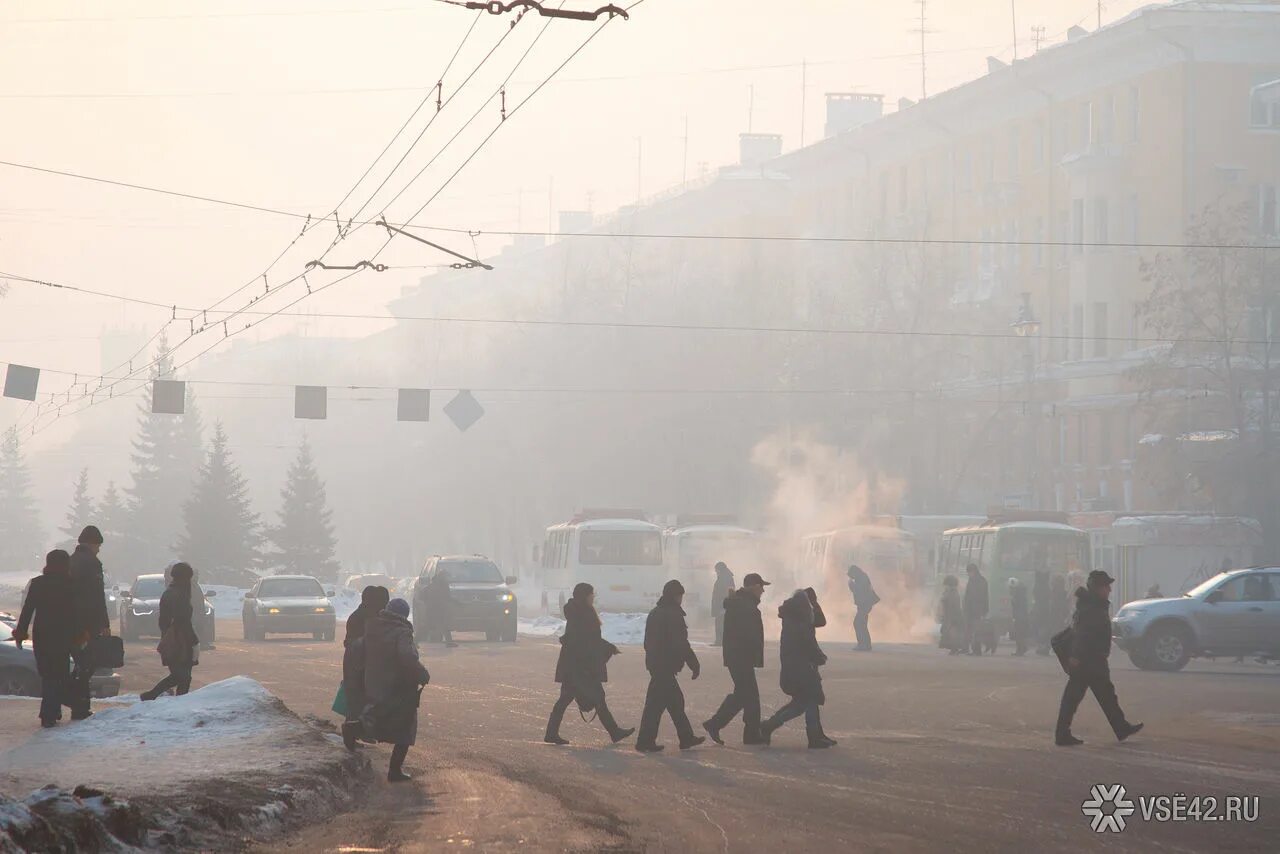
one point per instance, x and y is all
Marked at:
(886, 554)
(692, 552)
(619, 553)
(1005, 548)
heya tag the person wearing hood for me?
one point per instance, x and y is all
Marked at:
(89, 599)
(582, 668)
(1087, 662)
(178, 640)
(48, 619)
(743, 653)
(373, 599)
(666, 653)
(864, 599)
(722, 588)
(393, 680)
(801, 656)
(1021, 614)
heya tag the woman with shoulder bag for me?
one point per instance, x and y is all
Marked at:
(582, 668)
(178, 641)
(393, 680)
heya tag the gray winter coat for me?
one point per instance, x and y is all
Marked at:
(392, 676)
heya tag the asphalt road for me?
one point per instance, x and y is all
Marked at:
(936, 753)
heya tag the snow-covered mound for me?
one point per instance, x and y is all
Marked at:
(621, 629)
(225, 730)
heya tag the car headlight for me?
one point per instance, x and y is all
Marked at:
(142, 612)
(208, 610)
(273, 610)
(325, 610)
(507, 597)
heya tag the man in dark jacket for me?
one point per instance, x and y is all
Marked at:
(976, 607)
(864, 599)
(48, 603)
(743, 653)
(719, 591)
(666, 652)
(89, 602)
(1087, 662)
(373, 599)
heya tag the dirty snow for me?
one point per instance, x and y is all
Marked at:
(621, 629)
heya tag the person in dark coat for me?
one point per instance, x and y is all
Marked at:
(178, 639)
(1040, 608)
(864, 599)
(719, 591)
(743, 653)
(666, 653)
(1021, 614)
(373, 599)
(89, 600)
(583, 667)
(1087, 662)
(976, 607)
(393, 680)
(801, 657)
(48, 619)
(951, 630)
(438, 605)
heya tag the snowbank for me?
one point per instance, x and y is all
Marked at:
(621, 629)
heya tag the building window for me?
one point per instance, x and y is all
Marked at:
(1135, 113)
(1264, 112)
(1061, 236)
(1268, 223)
(1037, 251)
(1101, 330)
(1077, 332)
(1063, 433)
(1106, 121)
(991, 162)
(1081, 427)
(1038, 143)
(1104, 438)
(1101, 224)
(1014, 142)
(1086, 124)
(1077, 226)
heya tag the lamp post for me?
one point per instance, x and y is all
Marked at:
(1027, 325)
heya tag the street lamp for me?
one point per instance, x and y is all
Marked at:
(1027, 325)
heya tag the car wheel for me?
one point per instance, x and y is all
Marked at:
(318, 636)
(1140, 659)
(491, 635)
(510, 634)
(17, 682)
(1168, 648)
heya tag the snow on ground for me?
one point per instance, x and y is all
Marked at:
(235, 727)
(229, 602)
(621, 629)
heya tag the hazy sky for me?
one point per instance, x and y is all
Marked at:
(284, 104)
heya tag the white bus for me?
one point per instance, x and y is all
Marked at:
(886, 554)
(620, 557)
(692, 552)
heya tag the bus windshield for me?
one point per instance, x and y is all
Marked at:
(620, 548)
(1030, 550)
(704, 549)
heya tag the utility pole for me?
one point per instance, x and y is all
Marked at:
(1037, 36)
(1099, 14)
(684, 160)
(1013, 16)
(923, 30)
(639, 167)
(751, 106)
(804, 91)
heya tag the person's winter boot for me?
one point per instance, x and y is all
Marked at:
(350, 731)
(1066, 739)
(650, 748)
(1131, 729)
(818, 741)
(395, 770)
(767, 729)
(48, 724)
(713, 732)
(554, 738)
(693, 742)
(622, 733)
(147, 696)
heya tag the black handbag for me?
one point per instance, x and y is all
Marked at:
(106, 652)
(1062, 643)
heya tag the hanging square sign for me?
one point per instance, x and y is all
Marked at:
(21, 381)
(414, 405)
(311, 401)
(168, 397)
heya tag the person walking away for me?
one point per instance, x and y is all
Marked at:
(393, 680)
(373, 599)
(666, 653)
(582, 668)
(864, 599)
(439, 603)
(951, 634)
(801, 657)
(1087, 662)
(89, 601)
(719, 592)
(1021, 616)
(976, 607)
(1040, 609)
(743, 654)
(48, 619)
(178, 640)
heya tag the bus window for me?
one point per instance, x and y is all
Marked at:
(620, 548)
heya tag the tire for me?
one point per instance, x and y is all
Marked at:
(509, 636)
(1140, 659)
(17, 682)
(319, 635)
(491, 635)
(1167, 647)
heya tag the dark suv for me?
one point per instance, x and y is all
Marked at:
(481, 600)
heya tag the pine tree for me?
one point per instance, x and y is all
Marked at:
(81, 511)
(304, 540)
(113, 516)
(222, 531)
(167, 454)
(21, 539)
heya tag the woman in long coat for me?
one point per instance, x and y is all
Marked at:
(801, 657)
(48, 614)
(951, 616)
(393, 679)
(178, 641)
(582, 668)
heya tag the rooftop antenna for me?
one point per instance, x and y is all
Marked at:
(923, 30)
(1037, 36)
(1099, 14)
(1013, 15)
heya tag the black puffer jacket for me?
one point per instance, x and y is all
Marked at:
(1091, 627)
(88, 591)
(743, 631)
(666, 640)
(584, 653)
(801, 656)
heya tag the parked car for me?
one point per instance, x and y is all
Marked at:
(140, 604)
(360, 582)
(19, 677)
(1234, 613)
(229, 577)
(482, 599)
(289, 604)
